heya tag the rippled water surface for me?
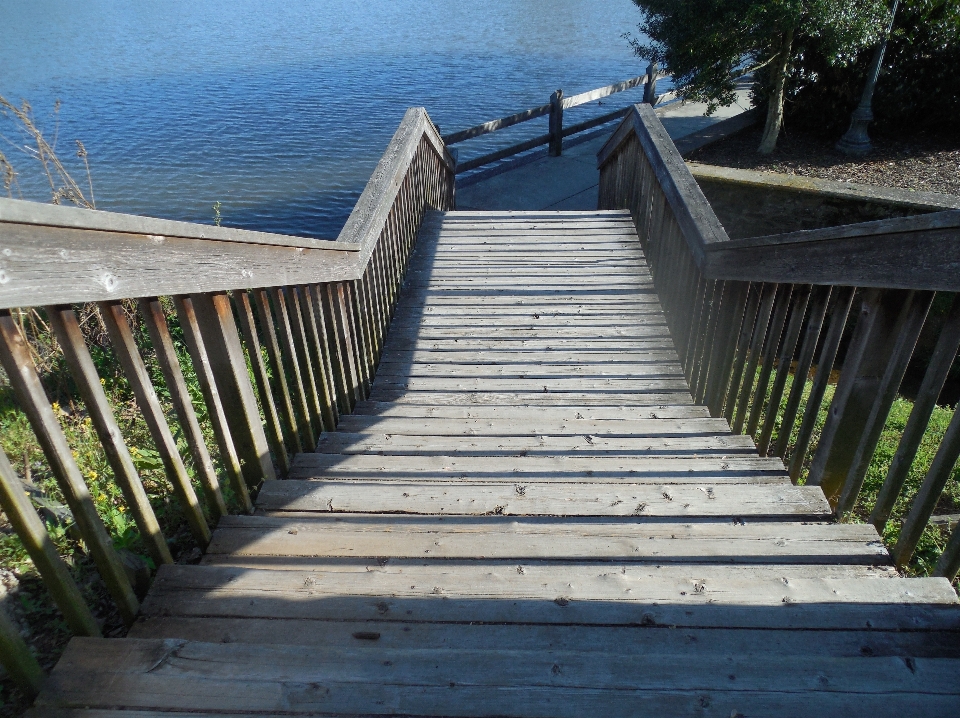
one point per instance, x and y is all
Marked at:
(280, 110)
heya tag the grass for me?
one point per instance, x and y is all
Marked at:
(934, 538)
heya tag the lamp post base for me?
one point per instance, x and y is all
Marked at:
(857, 140)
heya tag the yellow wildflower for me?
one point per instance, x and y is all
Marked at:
(93, 475)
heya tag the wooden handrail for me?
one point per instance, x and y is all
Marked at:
(63, 255)
(741, 311)
(321, 309)
(919, 252)
(554, 109)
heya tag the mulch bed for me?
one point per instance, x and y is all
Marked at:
(923, 162)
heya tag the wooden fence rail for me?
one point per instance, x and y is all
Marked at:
(554, 108)
(284, 335)
(745, 314)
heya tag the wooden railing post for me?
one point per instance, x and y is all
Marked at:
(556, 123)
(650, 87)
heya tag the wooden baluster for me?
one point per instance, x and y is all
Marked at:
(372, 310)
(35, 539)
(728, 329)
(383, 305)
(941, 360)
(907, 332)
(801, 297)
(701, 318)
(338, 324)
(743, 344)
(126, 350)
(699, 387)
(818, 310)
(22, 373)
(156, 321)
(684, 324)
(949, 563)
(320, 355)
(821, 378)
(17, 658)
(864, 365)
(781, 307)
(304, 365)
(327, 327)
(352, 307)
(211, 396)
(360, 316)
(288, 415)
(66, 328)
(768, 296)
(274, 429)
(929, 494)
(308, 422)
(228, 362)
(297, 305)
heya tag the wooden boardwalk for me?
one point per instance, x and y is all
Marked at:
(529, 516)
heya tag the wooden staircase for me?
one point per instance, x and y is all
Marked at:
(529, 516)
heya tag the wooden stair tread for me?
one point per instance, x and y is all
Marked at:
(153, 674)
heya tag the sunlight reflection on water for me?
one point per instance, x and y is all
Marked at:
(281, 111)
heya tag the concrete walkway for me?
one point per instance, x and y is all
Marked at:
(570, 182)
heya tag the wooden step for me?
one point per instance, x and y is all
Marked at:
(363, 536)
(359, 680)
(832, 596)
(531, 498)
(658, 470)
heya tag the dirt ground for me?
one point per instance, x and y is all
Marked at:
(924, 162)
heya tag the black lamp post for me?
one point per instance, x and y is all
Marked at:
(857, 140)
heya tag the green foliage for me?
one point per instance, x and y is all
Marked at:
(918, 87)
(934, 538)
(707, 44)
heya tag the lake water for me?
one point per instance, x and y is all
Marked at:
(280, 110)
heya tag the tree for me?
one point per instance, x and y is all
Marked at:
(707, 44)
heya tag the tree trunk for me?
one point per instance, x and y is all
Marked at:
(775, 105)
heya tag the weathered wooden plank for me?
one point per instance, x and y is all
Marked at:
(259, 537)
(507, 446)
(528, 498)
(493, 125)
(736, 468)
(614, 412)
(150, 674)
(532, 426)
(844, 597)
(527, 398)
(668, 640)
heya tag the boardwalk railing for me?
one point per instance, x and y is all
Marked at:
(746, 314)
(284, 335)
(554, 108)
